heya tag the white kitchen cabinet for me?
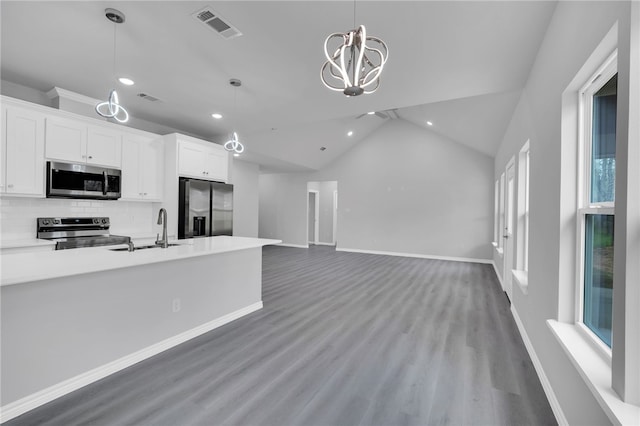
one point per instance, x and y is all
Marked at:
(66, 140)
(104, 147)
(77, 142)
(142, 165)
(22, 152)
(203, 160)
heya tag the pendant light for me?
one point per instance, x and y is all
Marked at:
(353, 68)
(233, 144)
(112, 108)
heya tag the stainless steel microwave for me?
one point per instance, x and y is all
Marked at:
(82, 181)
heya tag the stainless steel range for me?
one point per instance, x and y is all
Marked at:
(77, 232)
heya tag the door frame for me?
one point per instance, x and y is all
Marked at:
(316, 214)
(335, 217)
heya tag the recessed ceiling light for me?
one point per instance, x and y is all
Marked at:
(216, 115)
(350, 133)
(429, 123)
(371, 112)
(126, 81)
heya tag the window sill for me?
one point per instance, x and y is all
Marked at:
(595, 370)
(522, 279)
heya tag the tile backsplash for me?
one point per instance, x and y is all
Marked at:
(18, 215)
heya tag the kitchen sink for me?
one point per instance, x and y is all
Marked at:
(148, 246)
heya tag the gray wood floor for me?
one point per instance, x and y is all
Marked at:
(343, 339)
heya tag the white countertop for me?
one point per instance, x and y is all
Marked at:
(25, 242)
(26, 267)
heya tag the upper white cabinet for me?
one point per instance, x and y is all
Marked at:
(104, 147)
(66, 140)
(203, 160)
(22, 152)
(142, 165)
(75, 141)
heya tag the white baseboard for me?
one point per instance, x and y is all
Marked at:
(497, 274)
(324, 244)
(546, 385)
(292, 245)
(21, 406)
(421, 256)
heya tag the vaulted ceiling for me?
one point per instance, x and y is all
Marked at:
(460, 65)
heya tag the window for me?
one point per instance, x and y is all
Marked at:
(523, 208)
(501, 215)
(596, 204)
(496, 213)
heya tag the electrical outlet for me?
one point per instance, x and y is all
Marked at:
(176, 305)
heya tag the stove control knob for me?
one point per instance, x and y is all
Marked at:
(56, 221)
(45, 221)
(105, 220)
(96, 221)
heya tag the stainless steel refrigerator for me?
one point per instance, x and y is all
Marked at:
(204, 209)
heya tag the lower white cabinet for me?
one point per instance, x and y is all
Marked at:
(203, 160)
(142, 165)
(22, 152)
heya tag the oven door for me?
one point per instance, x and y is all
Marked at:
(82, 181)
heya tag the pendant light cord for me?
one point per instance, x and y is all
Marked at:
(114, 49)
(354, 14)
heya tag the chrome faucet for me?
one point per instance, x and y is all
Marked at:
(162, 220)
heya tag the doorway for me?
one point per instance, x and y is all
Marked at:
(508, 227)
(322, 212)
(313, 208)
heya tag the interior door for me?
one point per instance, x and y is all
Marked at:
(508, 228)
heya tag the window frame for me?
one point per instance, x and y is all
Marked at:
(584, 205)
(524, 179)
(496, 212)
(501, 216)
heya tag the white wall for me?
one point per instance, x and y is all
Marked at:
(402, 189)
(18, 215)
(244, 177)
(283, 207)
(35, 96)
(574, 32)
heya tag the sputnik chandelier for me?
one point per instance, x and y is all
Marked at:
(353, 68)
(233, 144)
(112, 108)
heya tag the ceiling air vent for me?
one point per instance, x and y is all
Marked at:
(216, 23)
(147, 97)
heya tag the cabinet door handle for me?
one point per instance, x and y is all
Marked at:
(10, 185)
(90, 157)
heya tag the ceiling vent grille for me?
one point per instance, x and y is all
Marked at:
(147, 97)
(217, 23)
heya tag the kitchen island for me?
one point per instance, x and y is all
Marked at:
(75, 316)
